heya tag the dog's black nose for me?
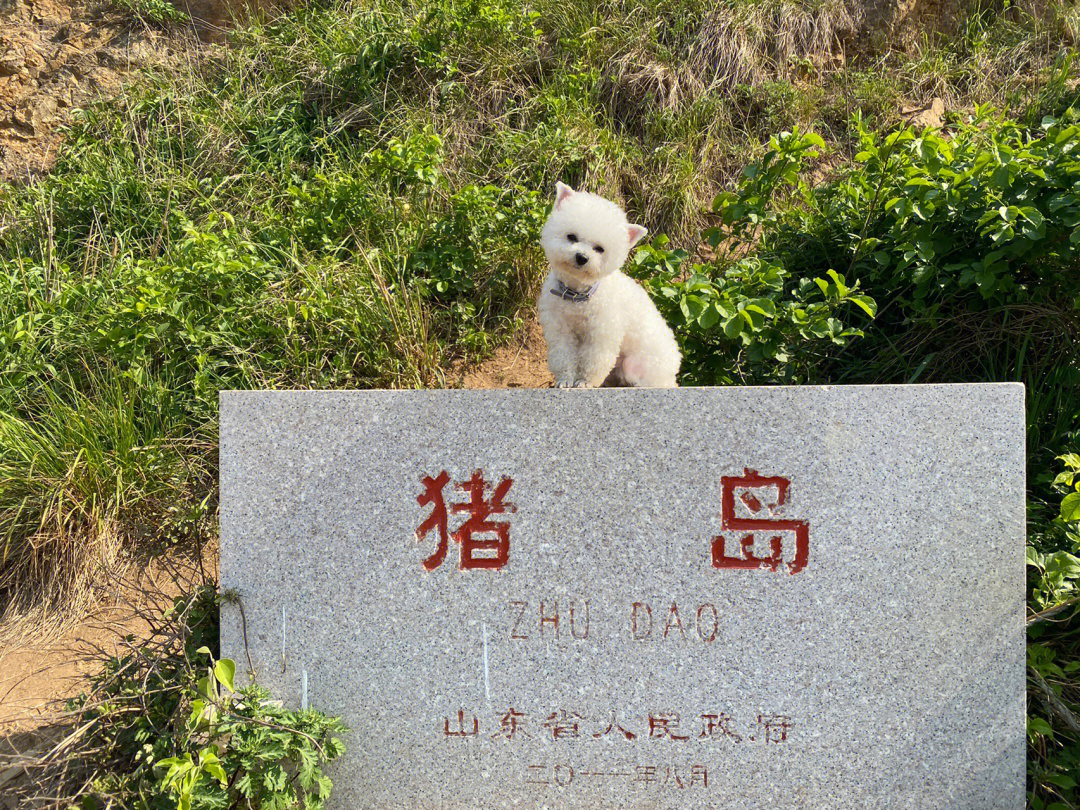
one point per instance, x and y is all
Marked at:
(580, 258)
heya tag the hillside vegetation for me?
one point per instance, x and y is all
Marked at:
(351, 195)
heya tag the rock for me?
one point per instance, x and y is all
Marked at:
(51, 60)
(902, 22)
(932, 115)
(37, 113)
(11, 63)
(632, 591)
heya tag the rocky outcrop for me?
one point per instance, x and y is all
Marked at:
(56, 55)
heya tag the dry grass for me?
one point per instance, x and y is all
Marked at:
(739, 44)
(744, 43)
(83, 488)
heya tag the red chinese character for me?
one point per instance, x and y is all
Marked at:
(510, 725)
(462, 729)
(477, 523)
(563, 724)
(713, 723)
(665, 725)
(730, 522)
(774, 727)
(432, 494)
(614, 726)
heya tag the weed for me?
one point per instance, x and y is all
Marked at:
(161, 12)
(163, 725)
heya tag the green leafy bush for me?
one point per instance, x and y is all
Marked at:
(931, 224)
(163, 727)
(744, 317)
(1069, 481)
(1057, 568)
(987, 216)
(747, 322)
(1053, 557)
(468, 258)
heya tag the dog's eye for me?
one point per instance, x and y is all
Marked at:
(599, 248)
(572, 237)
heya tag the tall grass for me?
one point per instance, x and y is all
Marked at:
(83, 471)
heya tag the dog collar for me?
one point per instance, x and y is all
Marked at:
(570, 294)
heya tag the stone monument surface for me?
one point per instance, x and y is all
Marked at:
(805, 597)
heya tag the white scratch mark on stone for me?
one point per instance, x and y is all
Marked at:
(283, 639)
(303, 690)
(487, 674)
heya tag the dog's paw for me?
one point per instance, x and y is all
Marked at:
(582, 384)
(564, 384)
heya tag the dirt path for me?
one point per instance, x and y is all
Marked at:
(520, 364)
(39, 674)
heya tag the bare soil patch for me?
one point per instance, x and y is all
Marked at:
(39, 672)
(213, 18)
(520, 364)
(55, 56)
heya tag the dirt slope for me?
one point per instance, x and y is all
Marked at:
(57, 55)
(37, 674)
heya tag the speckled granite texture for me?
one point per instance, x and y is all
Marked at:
(887, 673)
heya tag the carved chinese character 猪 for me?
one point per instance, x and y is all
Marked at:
(754, 492)
(478, 548)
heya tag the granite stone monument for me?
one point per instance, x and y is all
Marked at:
(805, 597)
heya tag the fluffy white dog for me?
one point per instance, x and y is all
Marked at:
(595, 318)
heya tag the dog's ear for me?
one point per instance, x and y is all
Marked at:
(635, 232)
(563, 192)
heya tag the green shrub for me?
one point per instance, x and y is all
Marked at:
(748, 322)
(748, 319)
(164, 727)
(1057, 569)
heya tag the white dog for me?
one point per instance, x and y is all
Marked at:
(595, 318)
